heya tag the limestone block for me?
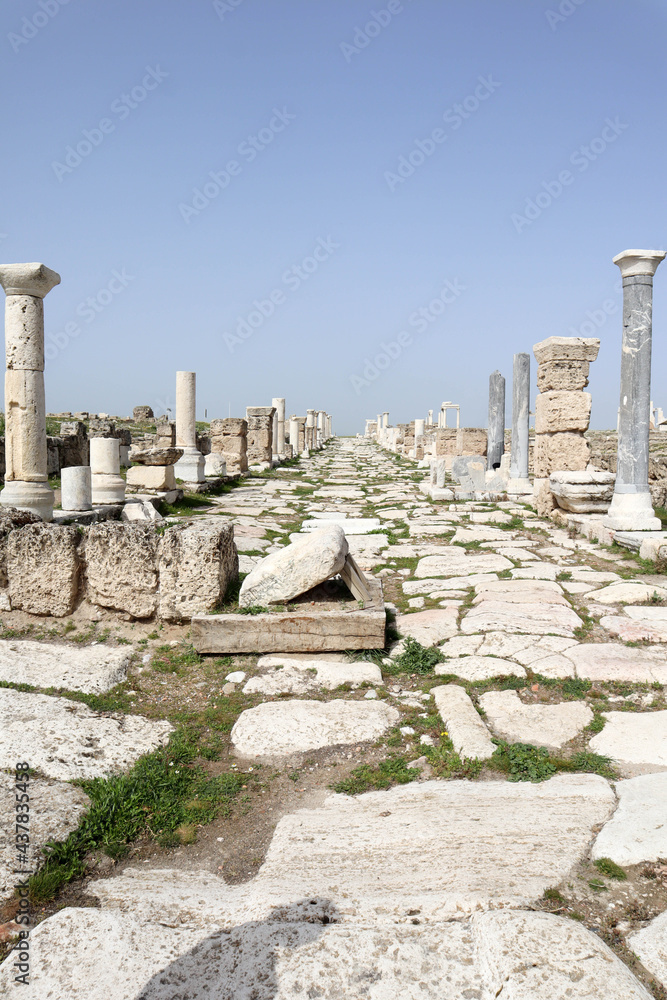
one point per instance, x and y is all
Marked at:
(429, 627)
(566, 349)
(229, 427)
(156, 456)
(543, 500)
(298, 567)
(542, 725)
(121, 567)
(43, 569)
(215, 465)
(636, 740)
(229, 445)
(562, 411)
(11, 518)
(562, 451)
(152, 477)
(279, 729)
(197, 562)
(465, 726)
(583, 492)
(142, 414)
(637, 831)
(570, 376)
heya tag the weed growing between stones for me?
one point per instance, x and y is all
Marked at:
(415, 659)
(523, 762)
(609, 868)
(393, 771)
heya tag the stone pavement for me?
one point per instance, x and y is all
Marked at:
(460, 883)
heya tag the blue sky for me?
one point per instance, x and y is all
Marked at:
(280, 195)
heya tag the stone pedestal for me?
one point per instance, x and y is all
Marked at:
(26, 478)
(631, 508)
(495, 447)
(152, 477)
(519, 481)
(294, 435)
(191, 466)
(106, 482)
(260, 434)
(76, 488)
(229, 440)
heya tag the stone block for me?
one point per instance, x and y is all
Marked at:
(197, 562)
(229, 446)
(43, 569)
(568, 376)
(10, 519)
(142, 414)
(583, 492)
(151, 477)
(229, 427)
(562, 411)
(564, 451)
(121, 567)
(566, 349)
(297, 568)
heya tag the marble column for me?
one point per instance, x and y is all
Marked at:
(496, 429)
(311, 429)
(301, 435)
(107, 484)
(279, 427)
(294, 434)
(26, 479)
(519, 481)
(430, 418)
(191, 466)
(385, 420)
(631, 508)
(76, 487)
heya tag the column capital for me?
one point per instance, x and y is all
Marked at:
(28, 279)
(635, 262)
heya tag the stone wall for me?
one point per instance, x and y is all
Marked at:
(562, 411)
(49, 569)
(464, 441)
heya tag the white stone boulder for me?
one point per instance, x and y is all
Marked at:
(296, 568)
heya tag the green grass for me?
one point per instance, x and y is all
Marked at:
(575, 688)
(609, 868)
(165, 791)
(393, 771)
(190, 502)
(523, 762)
(416, 659)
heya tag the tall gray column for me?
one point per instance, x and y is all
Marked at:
(495, 446)
(519, 482)
(631, 508)
(26, 478)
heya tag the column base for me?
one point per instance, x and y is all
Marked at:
(107, 487)
(632, 512)
(521, 486)
(37, 498)
(191, 466)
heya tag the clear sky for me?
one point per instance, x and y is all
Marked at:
(278, 193)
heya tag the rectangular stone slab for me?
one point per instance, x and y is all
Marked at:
(301, 631)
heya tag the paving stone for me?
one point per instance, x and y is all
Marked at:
(542, 619)
(480, 534)
(479, 668)
(636, 740)
(542, 725)
(638, 829)
(91, 669)
(521, 592)
(351, 525)
(541, 647)
(538, 571)
(643, 613)
(634, 631)
(454, 583)
(612, 662)
(67, 740)
(288, 675)
(463, 722)
(55, 810)
(429, 627)
(594, 576)
(572, 587)
(555, 665)
(627, 593)
(455, 561)
(650, 947)
(462, 645)
(279, 729)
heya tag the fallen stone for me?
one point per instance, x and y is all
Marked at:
(288, 675)
(542, 725)
(296, 568)
(479, 668)
(542, 619)
(278, 729)
(91, 669)
(637, 831)
(141, 511)
(429, 627)
(197, 562)
(156, 456)
(456, 561)
(650, 946)
(637, 741)
(583, 492)
(627, 593)
(462, 721)
(67, 740)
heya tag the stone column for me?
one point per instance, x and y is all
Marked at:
(107, 484)
(301, 435)
(76, 487)
(279, 427)
(191, 467)
(430, 418)
(321, 428)
(260, 434)
(310, 429)
(385, 420)
(631, 508)
(519, 481)
(495, 446)
(294, 434)
(26, 478)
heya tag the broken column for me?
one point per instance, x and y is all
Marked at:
(562, 411)
(278, 427)
(311, 429)
(26, 478)
(519, 481)
(191, 466)
(260, 434)
(495, 447)
(229, 441)
(107, 485)
(631, 508)
(76, 488)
